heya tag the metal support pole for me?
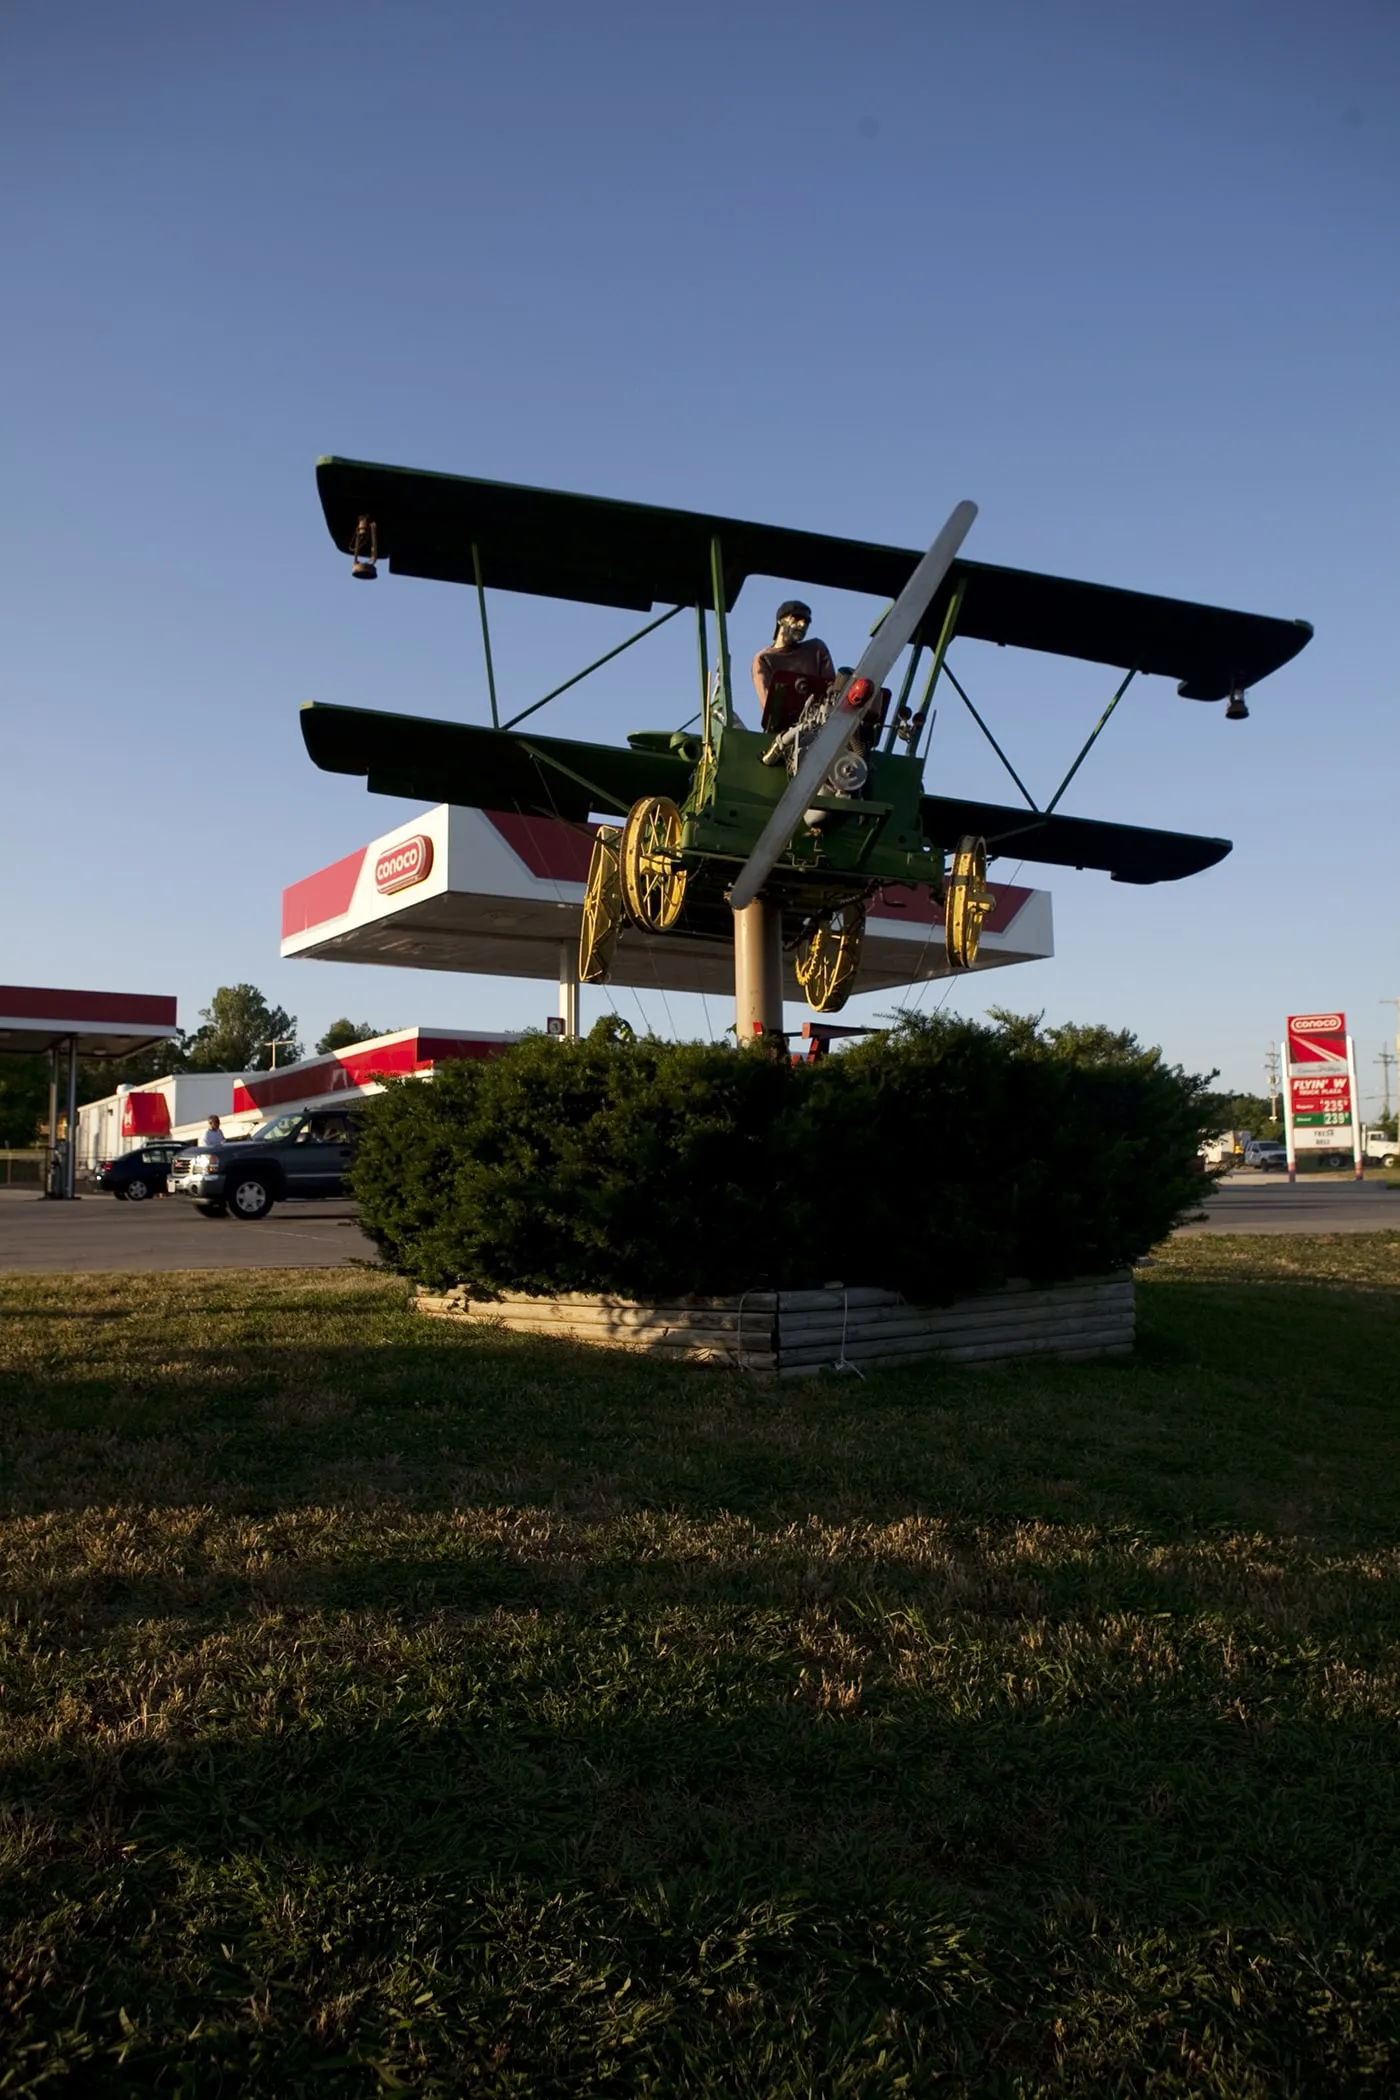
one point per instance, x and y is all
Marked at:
(1271, 1074)
(70, 1157)
(1030, 799)
(51, 1167)
(588, 669)
(568, 986)
(485, 634)
(702, 635)
(726, 691)
(1289, 1140)
(1093, 738)
(758, 970)
(950, 628)
(1358, 1168)
(892, 729)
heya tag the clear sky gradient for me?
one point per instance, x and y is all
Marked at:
(1127, 276)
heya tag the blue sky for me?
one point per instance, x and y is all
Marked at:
(1126, 276)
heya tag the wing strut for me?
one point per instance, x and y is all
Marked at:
(596, 665)
(485, 634)
(1093, 739)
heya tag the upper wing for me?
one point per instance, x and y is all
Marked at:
(1129, 852)
(486, 768)
(553, 544)
(1210, 652)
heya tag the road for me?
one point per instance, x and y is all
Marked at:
(1248, 1202)
(97, 1233)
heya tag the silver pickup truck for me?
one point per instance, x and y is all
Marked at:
(305, 1152)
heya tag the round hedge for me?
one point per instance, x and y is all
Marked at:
(937, 1158)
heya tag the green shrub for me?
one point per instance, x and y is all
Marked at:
(936, 1158)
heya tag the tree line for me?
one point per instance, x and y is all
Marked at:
(240, 1031)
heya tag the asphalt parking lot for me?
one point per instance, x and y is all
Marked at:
(96, 1233)
(1252, 1202)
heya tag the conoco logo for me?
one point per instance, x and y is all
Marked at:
(1316, 1024)
(399, 867)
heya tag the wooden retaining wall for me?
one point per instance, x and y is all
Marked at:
(794, 1333)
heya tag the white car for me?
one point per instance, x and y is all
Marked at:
(1265, 1152)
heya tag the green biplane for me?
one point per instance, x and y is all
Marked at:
(782, 840)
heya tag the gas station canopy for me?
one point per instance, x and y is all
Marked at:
(34, 1018)
(501, 893)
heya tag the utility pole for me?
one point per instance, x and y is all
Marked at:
(278, 1042)
(1271, 1074)
(1396, 1004)
(1385, 1061)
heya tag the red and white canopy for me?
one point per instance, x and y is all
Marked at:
(104, 1024)
(502, 895)
(346, 1075)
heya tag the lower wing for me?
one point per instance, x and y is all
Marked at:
(1128, 852)
(478, 768)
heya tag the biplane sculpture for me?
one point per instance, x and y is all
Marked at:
(780, 840)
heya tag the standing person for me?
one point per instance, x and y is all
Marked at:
(213, 1138)
(792, 670)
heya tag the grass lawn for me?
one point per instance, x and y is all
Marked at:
(393, 1708)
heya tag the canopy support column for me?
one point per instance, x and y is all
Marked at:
(70, 1154)
(758, 970)
(568, 986)
(52, 1187)
(62, 1175)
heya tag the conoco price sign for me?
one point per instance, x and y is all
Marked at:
(1317, 1039)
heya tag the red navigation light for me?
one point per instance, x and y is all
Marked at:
(858, 692)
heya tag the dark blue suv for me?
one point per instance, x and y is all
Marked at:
(306, 1152)
(137, 1175)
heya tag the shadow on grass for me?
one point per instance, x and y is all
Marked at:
(598, 1850)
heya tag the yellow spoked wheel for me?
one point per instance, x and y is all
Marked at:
(829, 958)
(602, 909)
(653, 880)
(966, 901)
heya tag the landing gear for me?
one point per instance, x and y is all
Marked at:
(967, 900)
(602, 909)
(829, 958)
(653, 880)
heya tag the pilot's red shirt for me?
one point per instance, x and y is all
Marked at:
(785, 679)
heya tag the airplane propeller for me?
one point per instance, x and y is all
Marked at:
(860, 691)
